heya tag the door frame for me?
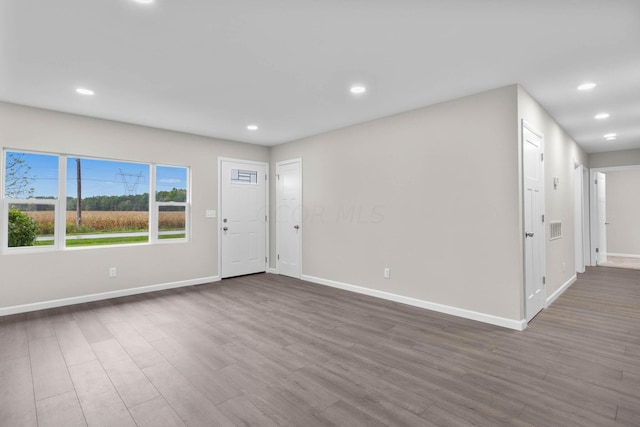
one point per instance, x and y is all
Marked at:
(284, 162)
(543, 260)
(267, 212)
(595, 224)
(593, 206)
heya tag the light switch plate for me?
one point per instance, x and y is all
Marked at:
(210, 213)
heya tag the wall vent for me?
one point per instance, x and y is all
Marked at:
(556, 230)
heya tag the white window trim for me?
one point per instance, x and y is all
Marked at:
(6, 202)
(60, 206)
(154, 207)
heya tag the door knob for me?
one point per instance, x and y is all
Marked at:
(297, 227)
(528, 234)
(225, 228)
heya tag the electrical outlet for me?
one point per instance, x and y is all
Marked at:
(113, 272)
(564, 266)
(387, 273)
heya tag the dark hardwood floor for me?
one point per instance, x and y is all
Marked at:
(267, 350)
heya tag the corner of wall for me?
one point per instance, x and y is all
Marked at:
(561, 151)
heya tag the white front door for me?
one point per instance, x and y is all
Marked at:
(533, 174)
(243, 217)
(289, 217)
(601, 200)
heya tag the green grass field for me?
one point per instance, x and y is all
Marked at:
(120, 240)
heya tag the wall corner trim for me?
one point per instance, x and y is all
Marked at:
(24, 308)
(518, 325)
(561, 290)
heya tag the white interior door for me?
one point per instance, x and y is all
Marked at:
(578, 206)
(601, 200)
(586, 236)
(243, 218)
(289, 217)
(533, 174)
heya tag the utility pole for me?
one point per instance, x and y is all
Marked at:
(79, 194)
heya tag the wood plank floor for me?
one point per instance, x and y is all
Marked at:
(622, 262)
(267, 350)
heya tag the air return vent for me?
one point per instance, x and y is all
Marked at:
(556, 230)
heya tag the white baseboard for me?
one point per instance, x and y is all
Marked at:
(551, 298)
(5, 311)
(271, 270)
(624, 255)
(518, 325)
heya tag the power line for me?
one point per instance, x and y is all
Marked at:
(130, 180)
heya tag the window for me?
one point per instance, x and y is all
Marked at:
(107, 202)
(239, 176)
(171, 202)
(30, 199)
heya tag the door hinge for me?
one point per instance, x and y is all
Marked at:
(265, 218)
(597, 250)
(596, 182)
(542, 157)
(278, 176)
(266, 177)
(265, 259)
(278, 257)
(544, 280)
(543, 218)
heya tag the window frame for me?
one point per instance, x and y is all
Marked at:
(151, 167)
(60, 206)
(6, 202)
(154, 207)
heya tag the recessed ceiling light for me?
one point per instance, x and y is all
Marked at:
(358, 89)
(252, 127)
(610, 136)
(601, 116)
(586, 86)
(144, 1)
(84, 91)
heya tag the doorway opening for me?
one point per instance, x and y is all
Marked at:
(615, 209)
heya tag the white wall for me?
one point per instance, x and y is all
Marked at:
(561, 156)
(38, 277)
(623, 212)
(433, 194)
(614, 158)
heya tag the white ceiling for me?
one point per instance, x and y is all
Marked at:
(211, 67)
